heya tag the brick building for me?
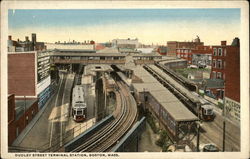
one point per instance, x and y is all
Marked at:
(226, 66)
(183, 49)
(20, 114)
(28, 75)
(162, 50)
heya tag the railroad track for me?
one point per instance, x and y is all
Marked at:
(191, 86)
(108, 136)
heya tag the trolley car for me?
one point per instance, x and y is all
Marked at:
(79, 107)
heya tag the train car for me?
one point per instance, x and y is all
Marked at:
(79, 107)
(205, 111)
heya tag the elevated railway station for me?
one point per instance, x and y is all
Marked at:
(153, 96)
(100, 58)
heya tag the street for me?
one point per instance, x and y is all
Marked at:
(214, 133)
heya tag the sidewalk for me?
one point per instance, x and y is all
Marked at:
(27, 129)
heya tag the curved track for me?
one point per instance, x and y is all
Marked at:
(125, 115)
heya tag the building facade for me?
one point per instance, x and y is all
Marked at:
(28, 75)
(20, 114)
(162, 50)
(125, 43)
(89, 47)
(226, 66)
(183, 49)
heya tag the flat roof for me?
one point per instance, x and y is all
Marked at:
(161, 94)
(90, 69)
(85, 54)
(182, 114)
(146, 54)
(55, 53)
(22, 106)
(140, 87)
(108, 50)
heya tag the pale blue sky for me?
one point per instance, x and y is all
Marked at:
(148, 25)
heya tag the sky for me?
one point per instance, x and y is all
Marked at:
(155, 26)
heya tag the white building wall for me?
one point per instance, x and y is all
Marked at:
(116, 42)
(232, 109)
(51, 46)
(42, 85)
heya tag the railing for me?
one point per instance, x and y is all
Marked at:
(67, 136)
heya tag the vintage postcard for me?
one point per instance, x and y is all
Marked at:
(124, 79)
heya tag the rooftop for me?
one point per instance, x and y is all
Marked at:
(90, 69)
(85, 54)
(22, 106)
(108, 50)
(161, 94)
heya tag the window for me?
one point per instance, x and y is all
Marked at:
(219, 64)
(215, 51)
(219, 75)
(224, 64)
(214, 63)
(225, 52)
(27, 120)
(220, 52)
(79, 112)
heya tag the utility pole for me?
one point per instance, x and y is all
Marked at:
(198, 137)
(144, 99)
(224, 135)
(224, 122)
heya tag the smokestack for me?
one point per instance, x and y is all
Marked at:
(10, 38)
(223, 43)
(26, 38)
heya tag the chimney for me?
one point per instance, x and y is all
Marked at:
(26, 38)
(33, 35)
(18, 40)
(10, 37)
(236, 42)
(223, 43)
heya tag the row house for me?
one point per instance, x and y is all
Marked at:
(226, 66)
